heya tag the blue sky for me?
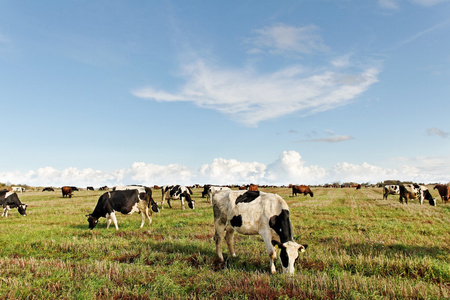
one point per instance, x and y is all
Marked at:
(224, 92)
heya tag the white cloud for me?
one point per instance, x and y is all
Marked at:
(285, 39)
(249, 96)
(289, 167)
(394, 4)
(438, 132)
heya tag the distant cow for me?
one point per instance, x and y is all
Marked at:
(48, 189)
(205, 190)
(145, 193)
(175, 192)
(415, 191)
(18, 189)
(103, 188)
(90, 188)
(444, 192)
(252, 187)
(126, 202)
(215, 189)
(251, 213)
(66, 191)
(390, 190)
(10, 200)
(301, 189)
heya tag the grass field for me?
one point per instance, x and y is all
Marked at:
(360, 247)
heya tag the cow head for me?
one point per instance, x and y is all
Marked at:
(92, 221)
(155, 207)
(311, 194)
(191, 203)
(22, 209)
(288, 255)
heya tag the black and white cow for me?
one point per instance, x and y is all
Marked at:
(175, 192)
(215, 189)
(251, 213)
(415, 191)
(390, 190)
(126, 202)
(19, 189)
(145, 193)
(10, 200)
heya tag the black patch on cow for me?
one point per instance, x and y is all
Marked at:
(281, 224)
(247, 197)
(175, 191)
(427, 195)
(236, 221)
(284, 258)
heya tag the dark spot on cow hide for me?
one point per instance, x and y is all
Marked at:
(281, 224)
(247, 197)
(236, 221)
(284, 258)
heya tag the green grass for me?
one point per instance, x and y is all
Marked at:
(360, 247)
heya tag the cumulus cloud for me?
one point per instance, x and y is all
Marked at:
(289, 167)
(249, 96)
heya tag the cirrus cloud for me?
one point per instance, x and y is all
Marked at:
(249, 96)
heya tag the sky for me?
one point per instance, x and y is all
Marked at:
(111, 92)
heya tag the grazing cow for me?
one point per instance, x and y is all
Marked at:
(10, 200)
(48, 189)
(174, 192)
(90, 188)
(126, 202)
(301, 189)
(66, 191)
(390, 190)
(145, 193)
(215, 189)
(18, 189)
(444, 192)
(414, 191)
(103, 188)
(251, 213)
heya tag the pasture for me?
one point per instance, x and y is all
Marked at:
(360, 247)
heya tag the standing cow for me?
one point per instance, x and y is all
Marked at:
(390, 190)
(145, 193)
(126, 202)
(301, 189)
(66, 191)
(175, 192)
(415, 191)
(444, 192)
(9, 200)
(251, 213)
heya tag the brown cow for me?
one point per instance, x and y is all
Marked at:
(253, 187)
(444, 192)
(66, 191)
(301, 189)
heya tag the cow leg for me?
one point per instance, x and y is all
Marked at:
(182, 202)
(267, 237)
(168, 203)
(114, 219)
(219, 235)
(143, 210)
(5, 212)
(229, 237)
(162, 200)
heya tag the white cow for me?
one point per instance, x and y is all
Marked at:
(390, 190)
(215, 189)
(18, 189)
(251, 213)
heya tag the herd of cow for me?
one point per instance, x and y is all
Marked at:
(247, 211)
